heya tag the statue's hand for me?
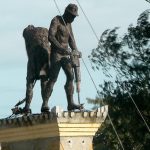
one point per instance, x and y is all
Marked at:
(77, 53)
(80, 54)
(63, 51)
(67, 51)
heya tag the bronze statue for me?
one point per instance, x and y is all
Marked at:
(38, 52)
(61, 36)
(47, 52)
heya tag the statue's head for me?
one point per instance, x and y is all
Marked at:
(71, 12)
(72, 9)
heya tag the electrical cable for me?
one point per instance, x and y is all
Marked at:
(103, 104)
(91, 76)
(137, 107)
(88, 20)
(99, 44)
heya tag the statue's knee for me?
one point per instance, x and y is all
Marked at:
(52, 80)
(70, 78)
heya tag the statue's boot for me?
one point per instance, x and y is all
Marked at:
(28, 99)
(46, 91)
(45, 107)
(26, 109)
(71, 105)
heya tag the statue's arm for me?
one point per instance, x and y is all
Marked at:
(72, 42)
(52, 33)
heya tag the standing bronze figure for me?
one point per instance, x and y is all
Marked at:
(61, 37)
(38, 52)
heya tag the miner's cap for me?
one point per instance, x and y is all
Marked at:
(73, 9)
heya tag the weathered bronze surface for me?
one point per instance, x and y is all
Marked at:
(47, 52)
(61, 37)
(38, 52)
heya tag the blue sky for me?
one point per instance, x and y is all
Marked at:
(17, 14)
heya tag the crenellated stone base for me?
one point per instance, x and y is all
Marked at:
(57, 130)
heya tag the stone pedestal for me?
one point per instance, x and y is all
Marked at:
(57, 130)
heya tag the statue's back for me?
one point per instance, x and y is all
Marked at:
(38, 50)
(36, 36)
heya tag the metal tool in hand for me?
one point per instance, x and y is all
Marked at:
(74, 56)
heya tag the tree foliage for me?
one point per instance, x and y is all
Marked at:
(148, 1)
(129, 57)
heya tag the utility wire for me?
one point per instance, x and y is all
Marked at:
(63, 19)
(137, 108)
(103, 104)
(99, 43)
(88, 20)
(90, 75)
(88, 69)
(93, 79)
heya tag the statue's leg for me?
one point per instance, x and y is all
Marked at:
(29, 94)
(69, 88)
(46, 91)
(47, 85)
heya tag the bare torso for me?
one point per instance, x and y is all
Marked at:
(63, 34)
(60, 35)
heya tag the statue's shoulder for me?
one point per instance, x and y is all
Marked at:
(56, 20)
(35, 36)
(31, 31)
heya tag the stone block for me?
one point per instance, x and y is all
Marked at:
(57, 130)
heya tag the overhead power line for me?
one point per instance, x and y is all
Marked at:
(98, 42)
(137, 108)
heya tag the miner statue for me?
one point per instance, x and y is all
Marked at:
(48, 51)
(61, 38)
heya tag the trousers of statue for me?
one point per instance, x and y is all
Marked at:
(56, 65)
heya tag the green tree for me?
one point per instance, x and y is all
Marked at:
(148, 1)
(129, 57)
